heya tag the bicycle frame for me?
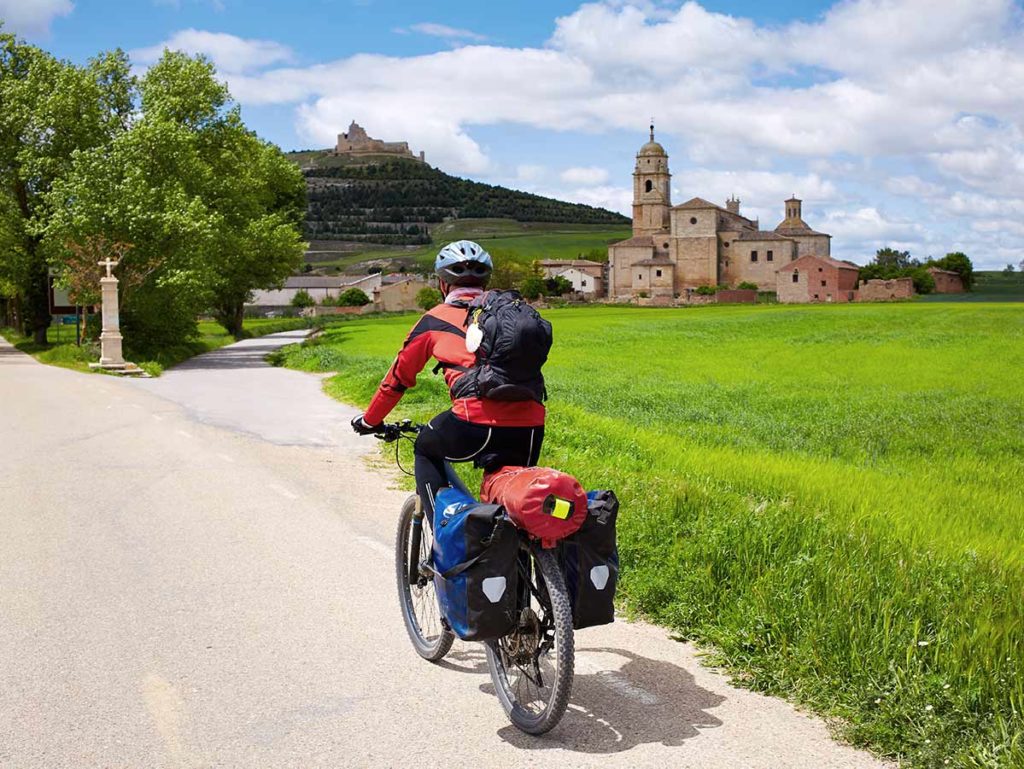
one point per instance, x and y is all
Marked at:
(418, 570)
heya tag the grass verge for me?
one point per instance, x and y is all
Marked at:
(830, 496)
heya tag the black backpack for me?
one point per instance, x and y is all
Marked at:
(514, 345)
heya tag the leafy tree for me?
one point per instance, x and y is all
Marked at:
(353, 297)
(211, 211)
(958, 262)
(508, 273)
(557, 286)
(889, 259)
(428, 297)
(1008, 269)
(924, 283)
(302, 299)
(50, 110)
(532, 288)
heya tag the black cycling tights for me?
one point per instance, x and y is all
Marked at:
(448, 438)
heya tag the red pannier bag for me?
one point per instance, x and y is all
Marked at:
(548, 504)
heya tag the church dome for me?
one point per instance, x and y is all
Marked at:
(653, 148)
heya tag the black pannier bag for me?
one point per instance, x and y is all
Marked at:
(590, 560)
(476, 551)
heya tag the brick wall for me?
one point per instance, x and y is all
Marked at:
(885, 290)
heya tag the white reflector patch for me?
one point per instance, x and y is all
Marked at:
(494, 588)
(599, 576)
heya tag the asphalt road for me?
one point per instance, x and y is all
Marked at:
(196, 571)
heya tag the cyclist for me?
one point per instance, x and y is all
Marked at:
(490, 433)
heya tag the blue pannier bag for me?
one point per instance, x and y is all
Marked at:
(476, 550)
(590, 561)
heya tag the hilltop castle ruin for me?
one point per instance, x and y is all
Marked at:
(357, 142)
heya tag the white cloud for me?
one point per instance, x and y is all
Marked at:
(231, 54)
(32, 17)
(443, 31)
(584, 175)
(528, 173)
(914, 99)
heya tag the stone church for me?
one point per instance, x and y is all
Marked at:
(698, 243)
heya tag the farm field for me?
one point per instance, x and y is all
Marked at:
(831, 497)
(520, 241)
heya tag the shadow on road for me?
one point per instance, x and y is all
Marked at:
(643, 701)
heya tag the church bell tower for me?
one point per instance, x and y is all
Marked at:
(651, 197)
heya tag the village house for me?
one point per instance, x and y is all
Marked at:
(699, 243)
(885, 290)
(946, 281)
(817, 279)
(586, 276)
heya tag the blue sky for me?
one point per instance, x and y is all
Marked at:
(899, 122)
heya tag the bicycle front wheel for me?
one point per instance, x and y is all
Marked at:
(532, 667)
(429, 635)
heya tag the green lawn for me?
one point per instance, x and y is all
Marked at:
(521, 241)
(832, 496)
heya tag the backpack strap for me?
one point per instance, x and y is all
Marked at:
(447, 366)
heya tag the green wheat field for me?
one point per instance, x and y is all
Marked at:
(830, 498)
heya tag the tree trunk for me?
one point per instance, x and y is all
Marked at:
(231, 315)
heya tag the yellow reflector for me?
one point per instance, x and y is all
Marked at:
(562, 508)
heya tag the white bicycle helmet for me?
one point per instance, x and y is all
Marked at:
(463, 263)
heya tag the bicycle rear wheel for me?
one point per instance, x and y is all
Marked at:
(420, 611)
(532, 667)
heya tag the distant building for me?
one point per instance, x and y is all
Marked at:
(817, 279)
(947, 281)
(882, 290)
(586, 276)
(698, 242)
(357, 142)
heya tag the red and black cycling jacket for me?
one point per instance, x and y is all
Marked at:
(441, 334)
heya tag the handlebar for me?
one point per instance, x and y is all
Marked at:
(391, 432)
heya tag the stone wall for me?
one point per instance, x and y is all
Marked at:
(947, 282)
(771, 255)
(737, 296)
(885, 290)
(398, 297)
(812, 245)
(696, 257)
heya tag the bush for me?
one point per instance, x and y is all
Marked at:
(557, 286)
(706, 290)
(353, 297)
(532, 288)
(747, 286)
(302, 299)
(924, 283)
(428, 297)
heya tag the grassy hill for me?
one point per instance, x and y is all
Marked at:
(829, 494)
(989, 286)
(394, 212)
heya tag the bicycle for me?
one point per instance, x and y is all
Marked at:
(532, 666)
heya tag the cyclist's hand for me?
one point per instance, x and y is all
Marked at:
(361, 426)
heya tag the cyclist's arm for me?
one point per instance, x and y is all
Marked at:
(417, 350)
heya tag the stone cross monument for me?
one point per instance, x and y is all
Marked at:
(110, 340)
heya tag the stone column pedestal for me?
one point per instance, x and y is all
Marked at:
(110, 339)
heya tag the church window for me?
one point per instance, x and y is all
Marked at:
(796, 276)
(693, 220)
(770, 256)
(726, 244)
(640, 276)
(753, 256)
(664, 245)
(657, 273)
(648, 186)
